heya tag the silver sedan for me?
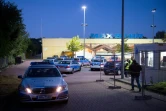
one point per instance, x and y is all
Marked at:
(69, 66)
(42, 83)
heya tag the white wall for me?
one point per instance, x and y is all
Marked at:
(152, 73)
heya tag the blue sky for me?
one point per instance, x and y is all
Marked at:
(63, 18)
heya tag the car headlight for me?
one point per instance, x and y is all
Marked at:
(61, 88)
(28, 90)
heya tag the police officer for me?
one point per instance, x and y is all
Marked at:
(135, 69)
(127, 65)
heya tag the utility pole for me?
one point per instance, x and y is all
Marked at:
(122, 42)
(84, 25)
(153, 26)
(41, 38)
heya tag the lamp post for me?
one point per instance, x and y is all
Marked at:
(41, 34)
(84, 25)
(122, 42)
(153, 26)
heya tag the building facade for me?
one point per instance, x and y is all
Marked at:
(56, 46)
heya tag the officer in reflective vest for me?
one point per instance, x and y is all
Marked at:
(127, 65)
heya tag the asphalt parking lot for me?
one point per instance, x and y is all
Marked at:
(88, 95)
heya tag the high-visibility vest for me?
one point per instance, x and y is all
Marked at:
(131, 61)
(128, 65)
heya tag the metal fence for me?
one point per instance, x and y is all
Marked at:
(4, 62)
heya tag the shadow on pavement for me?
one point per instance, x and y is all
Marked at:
(13, 104)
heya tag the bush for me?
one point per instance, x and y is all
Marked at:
(11, 60)
(158, 88)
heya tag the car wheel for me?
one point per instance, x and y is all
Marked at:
(118, 72)
(79, 69)
(72, 71)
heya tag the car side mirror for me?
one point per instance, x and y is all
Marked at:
(20, 76)
(64, 75)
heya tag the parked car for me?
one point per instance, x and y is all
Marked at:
(69, 66)
(64, 57)
(98, 57)
(80, 57)
(97, 64)
(51, 58)
(84, 62)
(112, 67)
(55, 61)
(42, 82)
(56, 56)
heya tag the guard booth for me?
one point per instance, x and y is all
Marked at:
(153, 58)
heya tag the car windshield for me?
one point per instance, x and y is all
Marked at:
(64, 62)
(97, 60)
(46, 60)
(50, 58)
(42, 72)
(112, 63)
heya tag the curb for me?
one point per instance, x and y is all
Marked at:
(137, 87)
(124, 82)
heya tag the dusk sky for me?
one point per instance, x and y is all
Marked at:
(63, 18)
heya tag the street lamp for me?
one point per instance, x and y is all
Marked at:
(153, 26)
(84, 25)
(41, 39)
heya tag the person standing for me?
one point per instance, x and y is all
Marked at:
(135, 69)
(127, 65)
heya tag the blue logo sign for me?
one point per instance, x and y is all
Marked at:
(115, 36)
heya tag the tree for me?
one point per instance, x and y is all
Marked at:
(144, 37)
(160, 35)
(13, 37)
(34, 46)
(164, 39)
(126, 47)
(74, 45)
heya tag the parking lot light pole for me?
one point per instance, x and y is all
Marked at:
(122, 42)
(84, 25)
(41, 34)
(153, 26)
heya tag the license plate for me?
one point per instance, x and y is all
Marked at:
(44, 97)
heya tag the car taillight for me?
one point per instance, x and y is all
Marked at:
(67, 66)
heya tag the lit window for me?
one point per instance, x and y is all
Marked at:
(142, 57)
(163, 59)
(150, 59)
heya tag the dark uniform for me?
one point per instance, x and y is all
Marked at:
(135, 69)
